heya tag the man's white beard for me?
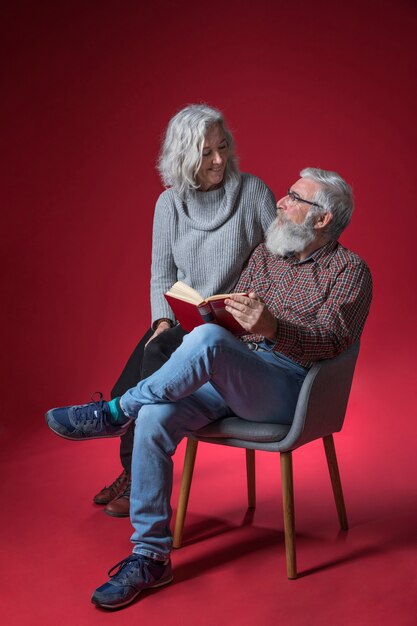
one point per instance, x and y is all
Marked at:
(283, 237)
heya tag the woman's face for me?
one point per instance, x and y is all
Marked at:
(213, 163)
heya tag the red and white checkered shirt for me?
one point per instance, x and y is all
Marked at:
(321, 304)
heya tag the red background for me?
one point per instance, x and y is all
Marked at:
(88, 88)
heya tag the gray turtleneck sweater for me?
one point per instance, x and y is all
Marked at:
(206, 239)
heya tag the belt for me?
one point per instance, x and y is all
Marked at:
(252, 345)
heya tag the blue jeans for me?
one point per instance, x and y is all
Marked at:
(211, 375)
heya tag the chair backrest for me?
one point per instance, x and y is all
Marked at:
(323, 399)
(320, 411)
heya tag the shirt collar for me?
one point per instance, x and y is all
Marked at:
(322, 255)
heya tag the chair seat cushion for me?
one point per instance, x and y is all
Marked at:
(236, 428)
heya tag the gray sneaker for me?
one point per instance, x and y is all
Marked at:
(132, 575)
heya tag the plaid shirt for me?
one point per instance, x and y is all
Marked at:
(321, 304)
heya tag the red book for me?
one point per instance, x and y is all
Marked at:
(192, 310)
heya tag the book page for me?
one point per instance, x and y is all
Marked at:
(221, 296)
(184, 292)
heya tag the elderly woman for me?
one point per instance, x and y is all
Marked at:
(206, 224)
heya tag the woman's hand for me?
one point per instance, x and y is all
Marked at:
(252, 313)
(162, 326)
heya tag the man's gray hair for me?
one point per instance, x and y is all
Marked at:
(335, 196)
(182, 147)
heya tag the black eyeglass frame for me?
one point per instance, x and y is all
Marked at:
(296, 198)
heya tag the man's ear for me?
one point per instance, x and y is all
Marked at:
(323, 220)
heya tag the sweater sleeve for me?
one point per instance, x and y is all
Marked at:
(163, 268)
(268, 210)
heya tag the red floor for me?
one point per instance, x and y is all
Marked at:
(57, 546)
(88, 88)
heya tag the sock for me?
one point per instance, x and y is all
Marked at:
(116, 413)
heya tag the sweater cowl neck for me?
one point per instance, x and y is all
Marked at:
(208, 210)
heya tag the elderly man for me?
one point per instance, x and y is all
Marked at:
(308, 299)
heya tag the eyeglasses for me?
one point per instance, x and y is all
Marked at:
(294, 197)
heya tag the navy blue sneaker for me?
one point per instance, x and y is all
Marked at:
(132, 576)
(85, 421)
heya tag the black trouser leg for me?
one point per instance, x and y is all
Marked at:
(130, 375)
(160, 349)
(141, 364)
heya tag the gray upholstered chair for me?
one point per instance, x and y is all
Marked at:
(320, 412)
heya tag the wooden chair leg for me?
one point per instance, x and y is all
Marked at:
(187, 476)
(250, 473)
(289, 517)
(335, 478)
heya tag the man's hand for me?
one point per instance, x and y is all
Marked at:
(251, 312)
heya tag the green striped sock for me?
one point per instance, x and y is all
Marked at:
(117, 415)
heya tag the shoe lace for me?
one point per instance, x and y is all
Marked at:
(117, 484)
(132, 567)
(126, 492)
(90, 416)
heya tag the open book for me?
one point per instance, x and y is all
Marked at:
(192, 310)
